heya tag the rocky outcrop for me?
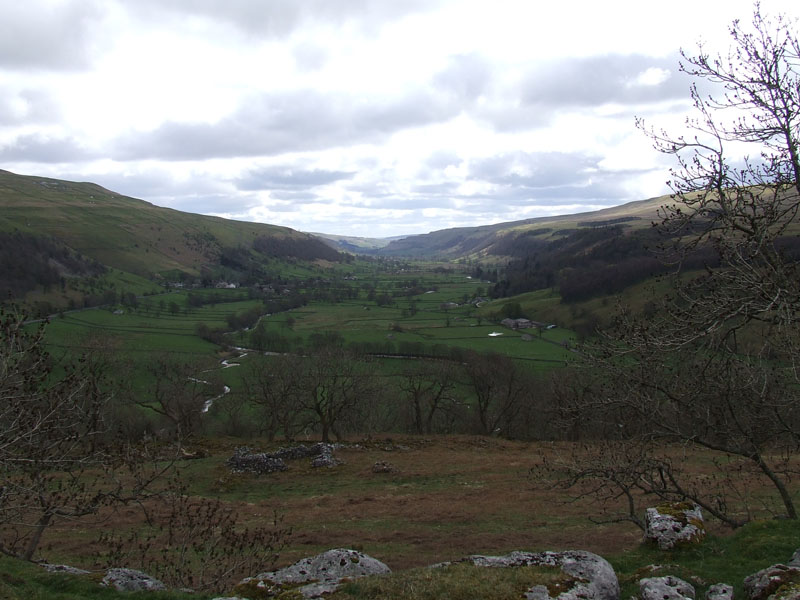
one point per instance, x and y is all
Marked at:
(665, 588)
(131, 580)
(719, 591)
(64, 569)
(670, 525)
(591, 576)
(317, 575)
(245, 461)
(780, 582)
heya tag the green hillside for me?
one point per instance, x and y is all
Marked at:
(136, 236)
(492, 240)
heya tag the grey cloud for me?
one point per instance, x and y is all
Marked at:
(598, 80)
(534, 169)
(440, 160)
(285, 122)
(467, 76)
(309, 57)
(289, 177)
(296, 196)
(279, 18)
(46, 35)
(26, 106)
(40, 148)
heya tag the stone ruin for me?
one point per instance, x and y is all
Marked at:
(244, 460)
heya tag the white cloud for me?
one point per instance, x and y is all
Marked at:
(368, 117)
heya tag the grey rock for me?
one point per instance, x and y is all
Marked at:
(795, 560)
(675, 524)
(383, 467)
(665, 588)
(719, 591)
(131, 580)
(245, 461)
(764, 583)
(325, 457)
(595, 576)
(322, 573)
(64, 569)
(538, 592)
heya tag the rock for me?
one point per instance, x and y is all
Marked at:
(594, 576)
(383, 467)
(325, 458)
(64, 569)
(665, 588)
(130, 580)
(669, 525)
(244, 461)
(780, 581)
(719, 591)
(795, 560)
(321, 574)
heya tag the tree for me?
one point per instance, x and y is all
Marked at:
(501, 391)
(716, 366)
(178, 393)
(428, 387)
(58, 459)
(272, 384)
(334, 385)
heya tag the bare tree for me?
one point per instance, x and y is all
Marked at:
(57, 460)
(428, 387)
(179, 391)
(334, 384)
(501, 388)
(716, 366)
(273, 384)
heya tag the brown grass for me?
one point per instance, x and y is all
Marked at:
(451, 496)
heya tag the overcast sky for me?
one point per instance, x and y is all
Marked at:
(355, 117)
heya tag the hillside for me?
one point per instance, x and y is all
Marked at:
(496, 240)
(138, 237)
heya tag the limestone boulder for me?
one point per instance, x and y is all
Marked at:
(670, 525)
(592, 577)
(64, 569)
(719, 591)
(131, 580)
(777, 582)
(318, 575)
(665, 588)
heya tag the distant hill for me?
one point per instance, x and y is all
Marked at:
(496, 240)
(141, 238)
(354, 244)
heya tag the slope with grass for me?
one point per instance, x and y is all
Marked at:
(136, 236)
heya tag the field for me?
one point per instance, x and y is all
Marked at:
(451, 496)
(437, 497)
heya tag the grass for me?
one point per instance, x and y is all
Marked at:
(26, 581)
(455, 582)
(451, 496)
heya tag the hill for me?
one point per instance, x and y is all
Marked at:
(497, 239)
(68, 229)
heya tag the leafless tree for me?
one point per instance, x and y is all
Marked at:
(334, 385)
(716, 366)
(179, 390)
(428, 388)
(500, 387)
(273, 384)
(57, 461)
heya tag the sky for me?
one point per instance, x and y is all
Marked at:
(371, 118)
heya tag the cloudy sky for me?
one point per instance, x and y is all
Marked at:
(355, 117)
